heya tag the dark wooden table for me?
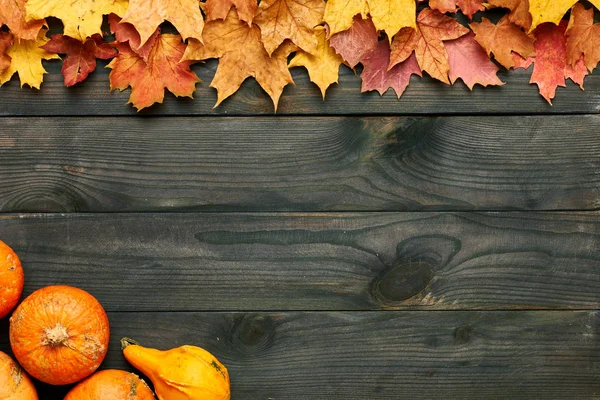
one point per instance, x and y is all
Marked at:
(444, 246)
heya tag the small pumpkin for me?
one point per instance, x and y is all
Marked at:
(111, 384)
(14, 382)
(59, 334)
(183, 373)
(11, 279)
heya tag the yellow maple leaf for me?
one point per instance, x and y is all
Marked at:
(323, 66)
(241, 54)
(81, 18)
(387, 15)
(551, 10)
(147, 15)
(26, 59)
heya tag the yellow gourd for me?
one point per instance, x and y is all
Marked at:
(183, 373)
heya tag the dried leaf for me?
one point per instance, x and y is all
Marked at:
(356, 42)
(6, 40)
(583, 38)
(218, 9)
(551, 10)
(468, 7)
(519, 11)
(125, 32)
(148, 80)
(12, 14)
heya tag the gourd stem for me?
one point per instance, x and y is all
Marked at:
(128, 342)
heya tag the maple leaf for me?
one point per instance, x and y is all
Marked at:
(125, 32)
(148, 80)
(551, 10)
(468, 7)
(427, 42)
(388, 15)
(550, 66)
(242, 54)
(502, 39)
(81, 18)
(218, 9)
(289, 19)
(323, 66)
(81, 57)
(147, 15)
(519, 11)
(26, 59)
(583, 38)
(356, 42)
(376, 76)
(6, 40)
(470, 62)
(12, 14)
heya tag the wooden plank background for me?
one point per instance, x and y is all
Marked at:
(440, 246)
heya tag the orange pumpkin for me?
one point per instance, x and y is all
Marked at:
(59, 334)
(111, 384)
(11, 279)
(14, 382)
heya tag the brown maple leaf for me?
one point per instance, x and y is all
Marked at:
(356, 42)
(469, 62)
(289, 19)
(468, 7)
(81, 57)
(6, 40)
(12, 14)
(502, 40)
(583, 38)
(218, 9)
(241, 54)
(519, 11)
(148, 80)
(147, 15)
(427, 41)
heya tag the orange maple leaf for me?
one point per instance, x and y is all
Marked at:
(12, 14)
(218, 9)
(583, 38)
(519, 11)
(468, 7)
(148, 80)
(502, 39)
(289, 19)
(6, 40)
(427, 42)
(125, 32)
(242, 54)
(147, 15)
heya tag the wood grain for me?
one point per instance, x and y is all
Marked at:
(201, 262)
(383, 355)
(423, 96)
(299, 164)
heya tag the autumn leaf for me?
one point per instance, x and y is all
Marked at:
(550, 67)
(218, 9)
(81, 57)
(468, 7)
(519, 11)
(6, 40)
(356, 42)
(502, 40)
(26, 59)
(388, 15)
(289, 19)
(147, 15)
(583, 38)
(125, 32)
(81, 18)
(12, 14)
(427, 41)
(469, 62)
(242, 55)
(376, 76)
(323, 66)
(551, 10)
(148, 80)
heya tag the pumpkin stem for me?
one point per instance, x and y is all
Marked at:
(56, 336)
(128, 342)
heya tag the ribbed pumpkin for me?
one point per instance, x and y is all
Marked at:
(183, 373)
(59, 334)
(11, 279)
(14, 382)
(111, 384)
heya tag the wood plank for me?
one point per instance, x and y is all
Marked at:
(194, 262)
(383, 355)
(299, 164)
(423, 96)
